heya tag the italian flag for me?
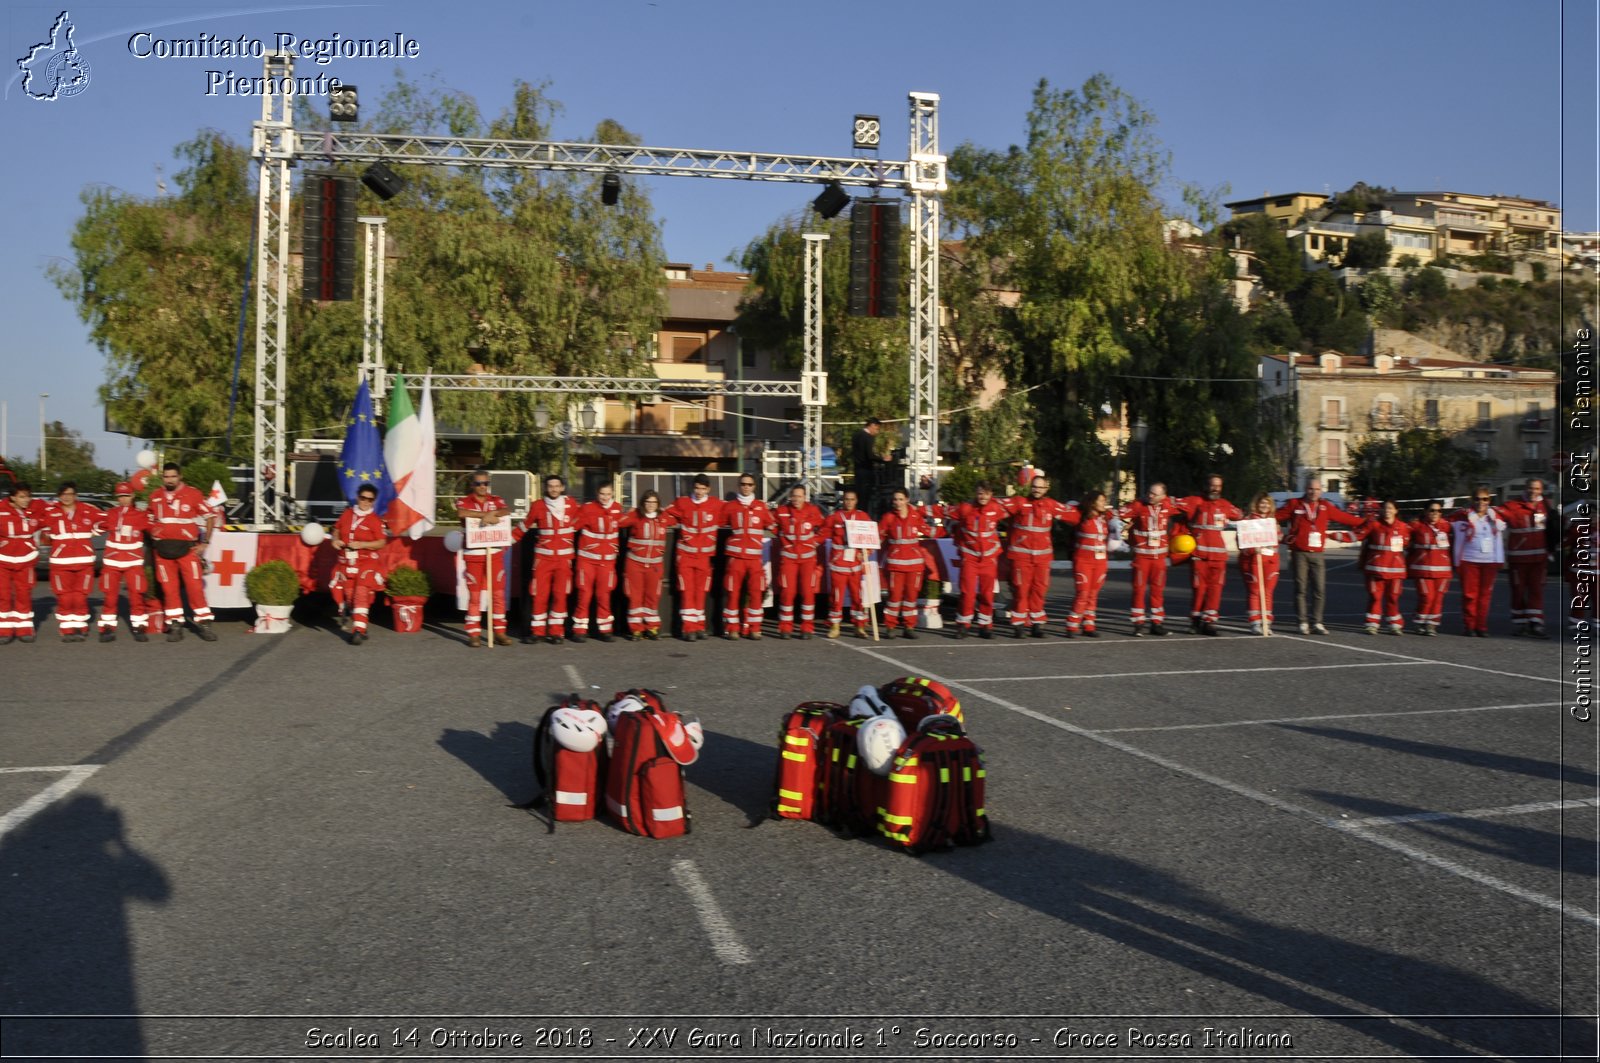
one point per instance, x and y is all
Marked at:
(408, 452)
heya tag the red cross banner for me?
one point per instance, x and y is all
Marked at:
(229, 556)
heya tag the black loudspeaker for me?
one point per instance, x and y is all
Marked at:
(831, 201)
(328, 237)
(610, 189)
(875, 258)
(384, 182)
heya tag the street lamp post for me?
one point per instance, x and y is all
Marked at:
(42, 397)
(1141, 432)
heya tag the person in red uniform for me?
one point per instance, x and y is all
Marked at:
(1091, 519)
(1259, 590)
(21, 517)
(901, 530)
(597, 523)
(1529, 545)
(122, 565)
(798, 526)
(641, 569)
(747, 519)
(359, 535)
(1206, 517)
(182, 520)
(70, 526)
(1148, 526)
(1428, 566)
(1307, 537)
(484, 573)
(1029, 548)
(554, 519)
(847, 566)
(1384, 540)
(1479, 551)
(975, 526)
(697, 516)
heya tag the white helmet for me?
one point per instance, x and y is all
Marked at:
(868, 703)
(697, 733)
(580, 730)
(877, 740)
(626, 703)
(939, 719)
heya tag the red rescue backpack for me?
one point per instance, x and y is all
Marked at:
(644, 781)
(570, 779)
(914, 699)
(935, 791)
(798, 777)
(849, 796)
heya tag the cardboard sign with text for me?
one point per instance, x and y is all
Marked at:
(1257, 534)
(481, 536)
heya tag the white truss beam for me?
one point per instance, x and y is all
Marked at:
(814, 381)
(613, 385)
(273, 143)
(927, 180)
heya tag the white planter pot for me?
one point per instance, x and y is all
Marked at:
(272, 619)
(930, 615)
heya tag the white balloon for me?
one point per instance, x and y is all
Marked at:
(313, 534)
(453, 541)
(146, 459)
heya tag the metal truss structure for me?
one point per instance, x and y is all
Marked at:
(276, 145)
(813, 380)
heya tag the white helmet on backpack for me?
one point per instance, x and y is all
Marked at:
(877, 740)
(580, 730)
(697, 733)
(625, 703)
(867, 703)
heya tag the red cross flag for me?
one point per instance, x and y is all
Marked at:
(229, 556)
(217, 496)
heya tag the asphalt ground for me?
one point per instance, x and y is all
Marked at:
(1288, 847)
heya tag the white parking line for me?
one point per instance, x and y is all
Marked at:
(1421, 856)
(73, 777)
(1334, 716)
(1406, 657)
(724, 940)
(1472, 813)
(572, 674)
(1184, 671)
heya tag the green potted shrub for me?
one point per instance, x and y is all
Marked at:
(274, 587)
(408, 589)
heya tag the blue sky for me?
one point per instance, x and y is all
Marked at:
(1251, 96)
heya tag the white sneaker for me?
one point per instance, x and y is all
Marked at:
(1372, 629)
(1318, 629)
(1305, 629)
(1255, 627)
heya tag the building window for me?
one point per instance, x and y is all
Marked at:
(688, 348)
(1333, 453)
(1482, 447)
(1333, 413)
(1485, 416)
(1530, 451)
(1430, 412)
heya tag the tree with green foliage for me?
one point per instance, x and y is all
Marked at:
(1277, 261)
(68, 456)
(1359, 198)
(1367, 251)
(1327, 315)
(1415, 463)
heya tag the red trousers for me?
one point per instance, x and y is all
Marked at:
(1430, 599)
(845, 583)
(1383, 600)
(744, 580)
(71, 584)
(977, 591)
(905, 592)
(1527, 591)
(1258, 595)
(1030, 579)
(1088, 576)
(1477, 587)
(798, 579)
(178, 577)
(1149, 577)
(16, 599)
(550, 589)
(596, 582)
(642, 584)
(477, 583)
(112, 580)
(694, 583)
(1206, 578)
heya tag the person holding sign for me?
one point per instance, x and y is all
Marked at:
(847, 561)
(488, 534)
(1307, 537)
(1031, 552)
(1383, 558)
(1480, 550)
(1258, 562)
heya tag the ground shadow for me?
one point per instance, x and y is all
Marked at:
(1476, 758)
(66, 877)
(504, 757)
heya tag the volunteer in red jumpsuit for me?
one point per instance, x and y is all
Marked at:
(597, 524)
(122, 565)
(975, 526)
(697, 516)
(1429, 567)
(1092, 519)
(1259, 588)
(182, 520)
(1384, 541)
(553, 519)
(847, 566)
(359, 536)
(1148, 527)
(1528, 549)
(905, 562)
(642, 566)
(21, 517)
(484, 572)
(70, 526)
(1206, 518)
(747, 519)
(798, 525)
(1479, 550)
(1030, 550)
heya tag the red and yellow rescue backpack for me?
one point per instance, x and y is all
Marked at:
(798, 778)
(935, 791)
(914, 699)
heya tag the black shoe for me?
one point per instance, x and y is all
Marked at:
(1038, 631)
(1209, 629)
(1158, 629)
(140, 636)
(1091, 633)
(174, 634)
(552, 640)
(783, 634)
(687, 636)
(357, 638)
(650, 634)
(530, 640)
(1194, 625)
(634, 636)
(575, 637)
(986, 633)
(108, 636)
(1016, 631)
(1138, 631)
(1069, 634)
(606, 636)
(26, 638)
(908, 633)
(961, 631)
(700, 636)
(205, 632)
(803, 635)
(5, 639)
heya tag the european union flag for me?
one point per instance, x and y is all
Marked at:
(361, 460)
